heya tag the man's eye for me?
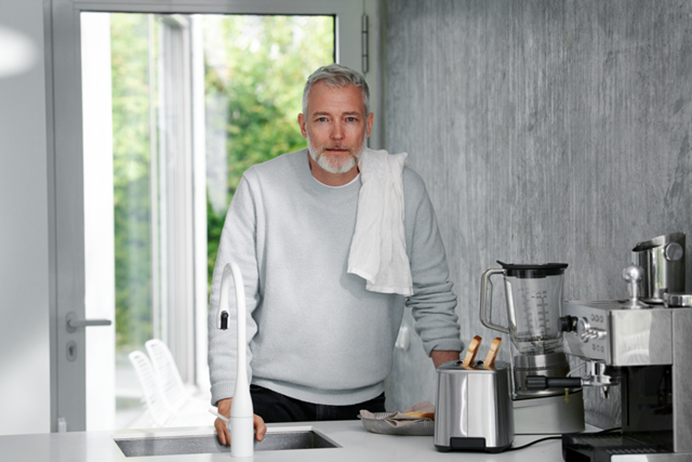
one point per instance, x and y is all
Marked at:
(351, 119)
(321, 119)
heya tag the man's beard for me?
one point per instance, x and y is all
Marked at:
(335, 163)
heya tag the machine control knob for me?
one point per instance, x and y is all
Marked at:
(674, 251)
(633, 274)
(567, 323)
(586, 332)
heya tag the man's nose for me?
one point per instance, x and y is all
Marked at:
(337, 131)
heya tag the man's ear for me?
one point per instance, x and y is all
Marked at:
(301, 123)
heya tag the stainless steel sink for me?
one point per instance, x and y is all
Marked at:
(173, 444)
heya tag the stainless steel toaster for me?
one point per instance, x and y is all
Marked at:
(473, 410)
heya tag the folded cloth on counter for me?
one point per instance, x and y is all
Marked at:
(423, 412)
(378, 248)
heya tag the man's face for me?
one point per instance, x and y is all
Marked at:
(336, 125)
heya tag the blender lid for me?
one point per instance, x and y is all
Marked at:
(533, 271)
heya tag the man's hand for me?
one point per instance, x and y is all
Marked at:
(224, 406)
(441, 357)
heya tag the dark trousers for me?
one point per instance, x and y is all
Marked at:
(275, 407)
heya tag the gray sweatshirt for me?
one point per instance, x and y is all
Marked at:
(314, 332)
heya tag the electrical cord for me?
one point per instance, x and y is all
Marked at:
(512, 448)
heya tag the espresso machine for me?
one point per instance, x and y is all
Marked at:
(534, 297)
(640, 343)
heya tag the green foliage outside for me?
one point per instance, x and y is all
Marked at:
(256, 66)
(130, 93)
(266, 69)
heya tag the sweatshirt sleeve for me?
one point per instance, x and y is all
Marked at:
(433, 302)
(237, 244)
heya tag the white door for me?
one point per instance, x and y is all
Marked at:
(75, 282)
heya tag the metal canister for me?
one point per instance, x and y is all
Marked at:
(663, 261)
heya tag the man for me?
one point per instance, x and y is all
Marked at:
(321, 343)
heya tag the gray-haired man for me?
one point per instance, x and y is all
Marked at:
(321, 343)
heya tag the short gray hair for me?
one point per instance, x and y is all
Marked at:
(337, 76)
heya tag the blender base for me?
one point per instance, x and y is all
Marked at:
(549, 414)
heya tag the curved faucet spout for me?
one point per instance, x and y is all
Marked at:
(241, 421)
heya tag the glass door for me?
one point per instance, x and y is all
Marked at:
(197, 99)
(194, 100)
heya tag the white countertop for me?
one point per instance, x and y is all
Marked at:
(357, 445)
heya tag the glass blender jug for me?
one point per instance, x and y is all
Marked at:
(534, 305)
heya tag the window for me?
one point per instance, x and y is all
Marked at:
(80, 166)
(196, 100)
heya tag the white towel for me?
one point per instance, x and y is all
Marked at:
(378, 248)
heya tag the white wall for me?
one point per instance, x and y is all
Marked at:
(24, 288)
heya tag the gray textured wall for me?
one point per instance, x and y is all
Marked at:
(545, 131)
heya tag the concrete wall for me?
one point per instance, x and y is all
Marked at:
(24, 285)
(546, 131)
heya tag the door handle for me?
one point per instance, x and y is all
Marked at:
(73, 323)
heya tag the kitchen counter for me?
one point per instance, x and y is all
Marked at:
(357, 444)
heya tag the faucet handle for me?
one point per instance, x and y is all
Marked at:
(222, 322)
(222, 314)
